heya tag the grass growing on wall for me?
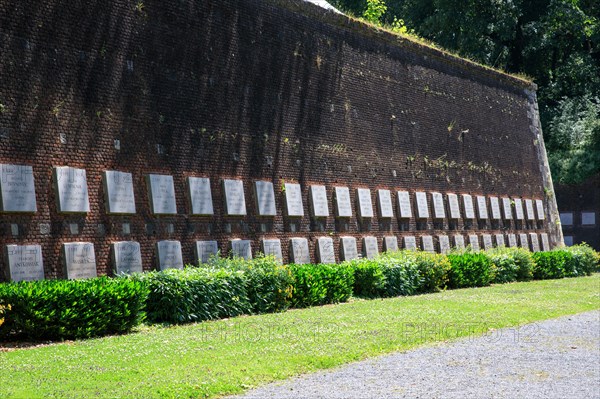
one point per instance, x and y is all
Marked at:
(228, 356)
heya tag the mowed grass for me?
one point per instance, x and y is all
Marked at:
(229, 356)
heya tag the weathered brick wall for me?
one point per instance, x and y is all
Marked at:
(252, 89)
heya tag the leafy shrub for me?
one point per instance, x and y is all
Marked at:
(369, 279)
(321, 284)
(434, 270)
(551, 264)
(584, 259)
(470, 269)
(402, 274)
(194, 294)
(268, 284)
(511, 264)
(68, 309)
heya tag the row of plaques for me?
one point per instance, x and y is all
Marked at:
(17, 194)
(25, 261)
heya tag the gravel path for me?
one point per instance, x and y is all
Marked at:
(557, 358)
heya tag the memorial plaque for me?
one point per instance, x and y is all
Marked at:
(168, 254)
(235, 199)
(404, 207)
(162, 194)
(386, 209)
(539, 204)
(293, 200)
(422, 209)
(80, 260)
(482, 207)
(474, 242)
(200, 195)
(343, 208)
(370, 247)
(500, 240)
(459, 242)
(318, 201)
(204, 250)
(299, 252)
(487, 242)
(524, 241)
(126, 257)
(529, 209)
(512, 240)
(444, 242)
(272, 247)
(348, 248)
(545, 242)
(241, 249)
(535, 244)
(365, 205)
(427, 242)
(24, 262)
(17, 189)
(72, 190)
(410, 242)
(325, 250)
(468, 205)
(453, 206)
(265, 199)
(519, 209)
(439, 211)
(118, 189)
(495, 205)
(506, 206)
(390, 243)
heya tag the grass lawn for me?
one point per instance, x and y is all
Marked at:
(229, 356)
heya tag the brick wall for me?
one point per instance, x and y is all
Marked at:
(254, 89)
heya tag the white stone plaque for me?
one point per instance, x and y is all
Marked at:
(468, 205)
(72, 190)
(524, 241)
(204, 250)
(365, 205)
(325, 250)
(482, 207)
(427, 242)
(162, 194)
(474, 242)
(386, 209)
(529, 208)
(487, 242)
(370, 247)
(348, 248)
(410, 242)
(499, 240)
(459, 242)
(519, 209)
(200, 194)
(80, 260)
(318, 201)
(545, 242)
(439, 211)
(17, 189)
(539, 204)
(444, 242)
(241, 249)
(495, 205)
(422, 209)
(512, 240)
(25, 262)
(126, 257)
(343, 208)
(453, 206)
(273, 247)
(118, 189)
(535, 244)
(404, 207)
(299, 252)
(265, 199)
(390, 243)
(168, 254)
(293, 200)
(507, 208)
(235, 199)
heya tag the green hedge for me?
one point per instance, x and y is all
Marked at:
(68, 309)
(584, 259)
(321, 284)
(470, 269)
(369, 278)
(552, 264)
(511, 264)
